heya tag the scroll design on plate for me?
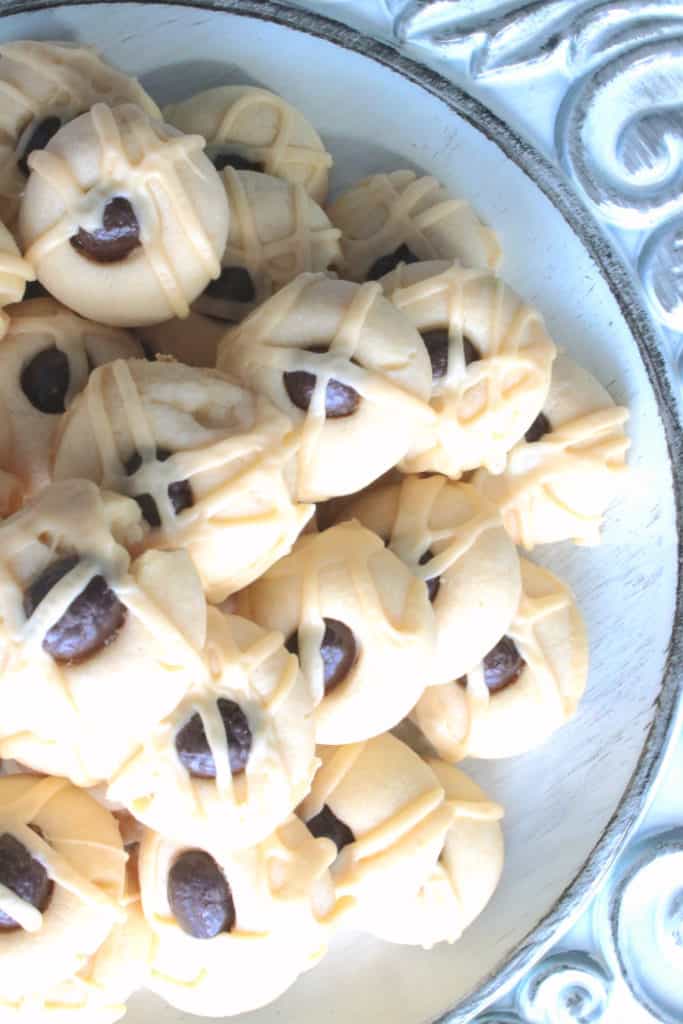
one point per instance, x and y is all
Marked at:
(619, 134)
(567, 988)
(497, 37)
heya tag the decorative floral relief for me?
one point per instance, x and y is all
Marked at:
(502, 37)
(619, 132)
(565, 988)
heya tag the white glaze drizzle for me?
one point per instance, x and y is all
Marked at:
(403, 223)
(424, 816)
(399, 195)
(373, 623)
(76, 88)
(547, 685)
(263, 257)
(411, 534)
(442, 885)
(594, 442)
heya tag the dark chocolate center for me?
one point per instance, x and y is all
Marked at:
(340, 399)
(223, 158)
(39, 138)
(179, 491)
(338, 651)
(503, 665)
(194, 750)
(436, 342)
(116, 239)
(326, 824)
(390, 261)
(538, 429)
(200, 896)
(233, 285)
(21, 873)
(45, 381)
(434, 584)
(91, 622)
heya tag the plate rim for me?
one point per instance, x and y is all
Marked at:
(549, 179)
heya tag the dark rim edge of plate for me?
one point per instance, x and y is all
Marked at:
(549, 179)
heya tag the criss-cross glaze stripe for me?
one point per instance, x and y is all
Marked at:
(592, 442)
(418, 821)
(244, 457)
(230, 674)
(280, 151)
(412, 535)
(531, 612)
(306, 566)
(404, 223)
(261, 256)
(15, 819)
(335, 363)
(510, 367)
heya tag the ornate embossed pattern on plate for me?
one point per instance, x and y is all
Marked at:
(618, 131)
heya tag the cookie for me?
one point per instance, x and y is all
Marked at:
(15, 272)
(211, 465)
(526, 687)
(237, 755)
(384, 809)
(353, 373)
(235, 930)
(45, 360)
(560, 478)
(394, 218)
(465, 876)
(276, 232)
(45, 85)
(357, 617)
(62, 869)
(98, 993)
(83, 627)
(193, 340)
(491, 359)
(252, 129)
(119, 968)
(124, 219)
(454, 541)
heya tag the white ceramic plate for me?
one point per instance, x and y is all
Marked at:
(570, 805)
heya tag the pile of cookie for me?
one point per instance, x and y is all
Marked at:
(265, 464)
